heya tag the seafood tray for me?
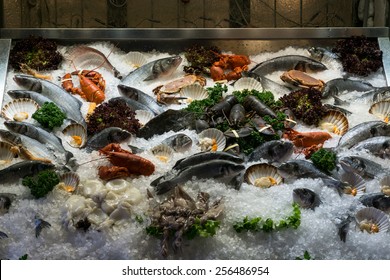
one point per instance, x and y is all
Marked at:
(138, 198)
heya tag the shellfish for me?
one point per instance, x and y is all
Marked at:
(372, 220)
(335, 122)
(262, 175)
(69, 181)
(381, 109)
(248, 83)
(19, 109)
(212, 139)
(75, 135)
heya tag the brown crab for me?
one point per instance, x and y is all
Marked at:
(165, 93)
(301, 79)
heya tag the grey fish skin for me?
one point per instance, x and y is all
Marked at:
(274, 151)
(362, 132)
(6, 201)
(252, 103)
(178, 142)
(36, 96)
(337, 86)
(378, 146)
(40, 224)
(267, 84)
(3, 235)
(322, 54)
(105, 137)
(22, 169)
(306, 198)
(221, 170)
(364, 167)
(141, 97)
(133, 104)
(377, 200)
(152, 70)
(288, 62)
(54, 92)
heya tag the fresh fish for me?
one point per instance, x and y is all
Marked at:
(362, 132)
(337, 86)
(3, 235)
(40, 224)
(36, 96)
(55, 93)
(297, 169)
(178, 142)
(83, 56)
(6, 201)
(105, 137)
(337, 108)
(322, 54)
(46, 138)
(306, 198)
(343, 227)
(141, 97)
(220, 170)
(268, 84)
(22, 169)
(133, 104)
(362, 166)
(273, 151)
(288, 62)
(377, 200)
(253, 103)
(378, 146)
(152, 70)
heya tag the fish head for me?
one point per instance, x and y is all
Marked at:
(118, 135)
(352, 164)
(382, 203)
(381, 129)
(10, 137)
(281, 151)
(304, 197)
(230, 169)
(14, 126)
(182, 143)
(289, 169)
(316, 53)
(28, 82)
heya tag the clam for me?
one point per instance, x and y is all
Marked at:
(135, 59)
(7, 154)
(247, 83)
(143, 116)
(69, 181)
(381, 109)
(356, 184)
(262, 175)
(194, 92)
(162, 152)
(19, 109)
(212, 139)
(372, 220)
(75, 135)
(385, 185)
(335, 122)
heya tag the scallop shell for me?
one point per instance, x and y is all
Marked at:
(248, 83)
(212, 139)
(385, 184)
(372, 220)
(194, 92)
(135, 59)
(262, 175)
(143, 116)
(357, 185)
(69, 181)
(334, 122)
(163, 152)
(6, 154)
(381, 109)
(75, 135)
(19, 109)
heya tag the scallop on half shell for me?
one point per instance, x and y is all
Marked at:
(356, 184)
(385, 185)
(193, 92)
(143, 116)
(69, 181)
(381, 109)
(248, 83)
(212, 139)
(162, 152)
(19, 109)
(75, 135)
(136, 59)
(6, 153)
(262, 175)
(372, 220)
(334, 122)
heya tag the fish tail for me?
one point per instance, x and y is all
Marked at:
(165, 186)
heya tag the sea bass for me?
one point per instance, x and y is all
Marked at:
(152, 70)
(22, 169)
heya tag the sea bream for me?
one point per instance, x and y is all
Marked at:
(306, 198)
(153, 70)
(362, 166)
(105, 137)
(274, 151)
(378, 146)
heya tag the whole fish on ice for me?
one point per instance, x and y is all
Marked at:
(362, 166)
(378, 146)
(22, 169)
(273, 151)
(105, 137)
(306, 198)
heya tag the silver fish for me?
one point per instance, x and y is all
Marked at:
(3, 235)
(377, 200)
(141, 97)
(178, 142)
(22, 169)
(40, 224)
(36, 96)
(288, 62)
(221, 170)
(274, 151)
(362, 166)
(152, 70)
(105, 137)
(378, 146)
(306, 198)
(55, 93)
(6, 201)
(337, 86)
(322, 54)
(268, 84)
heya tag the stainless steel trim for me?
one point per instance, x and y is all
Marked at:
(384, 45)
(5, 46)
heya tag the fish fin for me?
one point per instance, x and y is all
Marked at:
(42, 224)
(338, 101)
(150, 77)
(135, 150)
(3, 235)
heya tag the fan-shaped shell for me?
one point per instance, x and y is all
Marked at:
(262, 175)
(212, 139)
(385, 184)
(75, 135)
(69, 181)
(143, 116)
(381, 109)
(356, 184)
(135, 59)
(372, 220)
(19, 109)
(163, 152)
(248, 83)
(6, 153)
(194, 92)
(335, 122)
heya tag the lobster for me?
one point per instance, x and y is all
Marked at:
(235, 63)
(91, 82)
(306, 139)
(125, 163)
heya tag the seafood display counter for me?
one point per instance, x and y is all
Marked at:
(134, 147)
